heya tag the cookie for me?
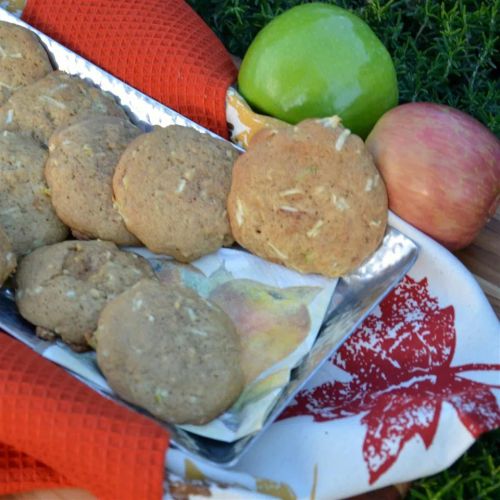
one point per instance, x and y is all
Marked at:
(56, 100)
(26, 212)
(62, 288)
(308, 197)
(7, 257)
(171, 188)
(79, 172)
(23, 60)
(169, 351)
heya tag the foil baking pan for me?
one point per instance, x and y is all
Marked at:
(354, 297)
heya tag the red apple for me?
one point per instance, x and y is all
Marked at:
(441, 168)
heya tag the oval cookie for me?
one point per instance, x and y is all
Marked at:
(169, 351)
(308, 197)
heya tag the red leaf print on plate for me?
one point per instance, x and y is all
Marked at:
(400, 366)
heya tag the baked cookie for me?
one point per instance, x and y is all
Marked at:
(7, 257)
(169, 351)
(56, 100)
(62, 288)
(171, 188)
(308, 197)
(23, 60)
(79, 172)
(26, 213)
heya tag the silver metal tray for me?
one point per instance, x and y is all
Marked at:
(355, 295)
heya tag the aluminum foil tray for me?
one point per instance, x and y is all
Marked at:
(354, 297)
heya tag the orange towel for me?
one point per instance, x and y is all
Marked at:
(160, 47)
(55, 431)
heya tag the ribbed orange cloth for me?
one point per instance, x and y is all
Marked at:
(160, 47)
(55, 431)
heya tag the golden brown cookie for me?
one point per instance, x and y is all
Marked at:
(56, 100)
(62, 288)
(7, 257)
(169, 351)
(23, 60)
(171, 188)
(308, 197)
(79, 172)
(26, 212)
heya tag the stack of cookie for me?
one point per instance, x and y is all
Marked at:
(308, 197)
(35, 101)
(164, 349)
(161, 347)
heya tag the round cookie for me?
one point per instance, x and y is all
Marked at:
(79, 172)
(23, 60)
(7, 257)
(171, 188)
(56, 100)
(169, 351)
(63, 287)
(308, 197)
(26, 212)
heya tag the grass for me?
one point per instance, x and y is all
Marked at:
(476, 475)
(444, 51)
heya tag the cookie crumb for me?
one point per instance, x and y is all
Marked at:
(9, 117)
(287, 208)
(239, 212)
(181, 186)
(280, 254)
(52, 101)
(339, 144)
(291, 192)
(340, 202)
(314, 231)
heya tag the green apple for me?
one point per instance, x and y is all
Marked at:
(318, 60)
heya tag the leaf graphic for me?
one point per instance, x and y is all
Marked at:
(475, 404)
(399, 361)
(411, 334)
(396, 419)
(325, 402)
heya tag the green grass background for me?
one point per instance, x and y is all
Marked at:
(444, 51)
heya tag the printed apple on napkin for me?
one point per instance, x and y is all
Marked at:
(277, 313)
